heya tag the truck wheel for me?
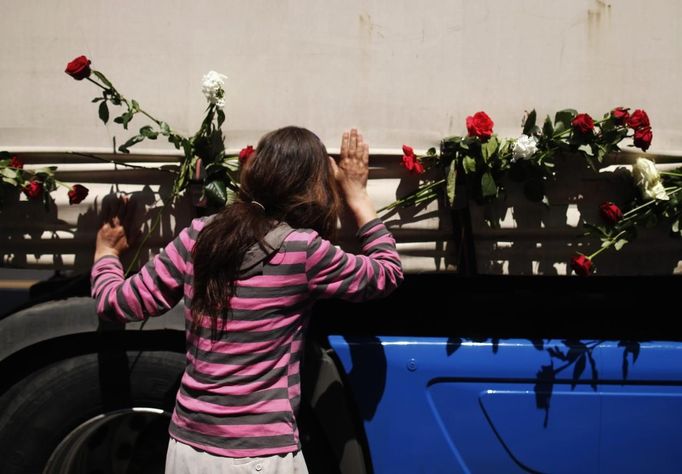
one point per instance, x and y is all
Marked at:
(100, 413)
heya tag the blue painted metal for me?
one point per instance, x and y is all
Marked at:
(439, 405)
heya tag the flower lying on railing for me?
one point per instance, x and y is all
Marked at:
(35, 184)
(203, 150)
(484, 158)
(204, 160)
(410, 161)
(659, 200)
(481, 159)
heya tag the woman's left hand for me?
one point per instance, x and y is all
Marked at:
(112, 237)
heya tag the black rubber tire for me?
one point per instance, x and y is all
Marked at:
(40, 411)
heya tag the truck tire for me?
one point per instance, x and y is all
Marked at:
(99, 413)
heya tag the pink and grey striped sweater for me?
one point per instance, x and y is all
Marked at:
(239, 392)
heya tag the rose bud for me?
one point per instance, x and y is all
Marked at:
(581, 265)
(643, 137)
(410, 161)
(245, 154)
(480, 125)
(620, 115)
(583, 124)
(638, 119)
(77, 193)
(33, 189)
(610, 212)
(79, 68)
(16, 163)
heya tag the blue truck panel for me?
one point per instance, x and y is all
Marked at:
(516, 405)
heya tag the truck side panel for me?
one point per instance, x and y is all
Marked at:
(513, 405)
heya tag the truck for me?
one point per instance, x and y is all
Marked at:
(491, 357)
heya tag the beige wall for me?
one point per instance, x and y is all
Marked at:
(403, 71)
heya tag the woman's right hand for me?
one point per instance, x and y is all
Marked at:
(351, 174)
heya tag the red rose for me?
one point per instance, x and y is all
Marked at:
(643, 137)
(480, 125)
(583, 124)
(638, 119)
(77, 193)
(15, 163)
(410, 161)
(79, 68)
(620, 115)
(33, 190)
(245, 154)
(610, 212)
(581, 265)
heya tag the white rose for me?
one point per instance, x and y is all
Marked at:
(649, 181)
(524, 148)
(657, 191)
(212, 85)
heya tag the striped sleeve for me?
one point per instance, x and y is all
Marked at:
(333, 273)
(152, 291)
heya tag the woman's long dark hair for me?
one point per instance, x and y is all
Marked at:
(290, 175)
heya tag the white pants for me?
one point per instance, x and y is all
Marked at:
(183, 459)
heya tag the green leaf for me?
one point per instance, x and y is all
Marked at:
(104, 112)
(175, 140)
(124, 119)
(49, 183)
(431, 151)
(450, 185)
(103, 79)
(165, 128)
(97, 99)
(469, 164)
(619, 244)
(529, 125)
(148, 132)
(221, 118)
(489, 148)
(135, 106)
(10, 181)
(132, 141)
(563, 118)
(548, 128)
(488, 186)
(216, 192)
(127, 117)
(609, 125)
(9, 172)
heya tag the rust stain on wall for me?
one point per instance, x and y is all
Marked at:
(598, 19)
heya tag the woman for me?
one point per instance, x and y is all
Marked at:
(249, 276)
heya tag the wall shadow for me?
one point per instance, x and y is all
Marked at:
(519, 237)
